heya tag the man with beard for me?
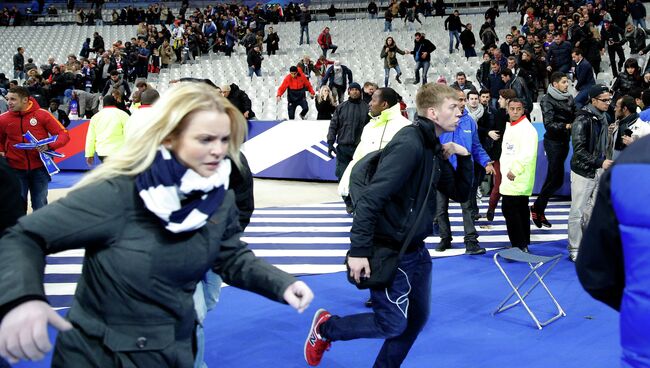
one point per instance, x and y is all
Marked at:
(626, 117)
(558, 109)
(345, 129)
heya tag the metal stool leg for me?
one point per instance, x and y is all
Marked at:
(521, 297)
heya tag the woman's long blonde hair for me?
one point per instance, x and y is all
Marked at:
(330, 97)
(168, 118)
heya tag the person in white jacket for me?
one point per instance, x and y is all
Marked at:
(386, 121)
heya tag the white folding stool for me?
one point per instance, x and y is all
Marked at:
(535, 262)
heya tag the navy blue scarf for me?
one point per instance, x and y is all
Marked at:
(179, 196)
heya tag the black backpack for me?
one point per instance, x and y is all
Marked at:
(364, 170)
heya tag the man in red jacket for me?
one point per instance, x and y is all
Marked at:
(25, 115)
(325, 42)
(296, 82)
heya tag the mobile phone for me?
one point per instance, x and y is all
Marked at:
(627, 132)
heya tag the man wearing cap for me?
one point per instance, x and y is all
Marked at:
(589, 139)
(345, 129)
(337, 78)
(614, 37)
(296, 83)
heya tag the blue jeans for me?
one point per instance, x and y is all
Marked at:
(19, 74)
(388, 26)
(424, 65)
(372, 16)
(304, 30)
(387, 74)
(252, 70)
(35, 182)
(329, 47)
(292, 108)
(399, 312)
(452, 35)
(639, 22)
(206, 297)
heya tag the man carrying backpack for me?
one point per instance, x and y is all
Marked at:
(412, 163)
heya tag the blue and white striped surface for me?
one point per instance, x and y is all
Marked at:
(313, 240)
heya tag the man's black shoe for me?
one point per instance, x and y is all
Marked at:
(489, 215)
(473, 249)
(397, 78)
(444, 245)
(416, 82)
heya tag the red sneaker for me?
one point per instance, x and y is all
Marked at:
(315, 345)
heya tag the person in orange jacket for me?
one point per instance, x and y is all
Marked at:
(296, 83)
(26, 115)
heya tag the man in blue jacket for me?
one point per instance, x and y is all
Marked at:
(465, 135)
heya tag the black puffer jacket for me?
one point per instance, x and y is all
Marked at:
(385, 213)
(557, 114)
(589, 138)
(240, 99)
(347, 123)
(625, 82)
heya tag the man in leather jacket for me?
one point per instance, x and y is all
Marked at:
(558, 109)
(589, 139)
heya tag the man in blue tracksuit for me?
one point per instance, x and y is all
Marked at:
(466, 135)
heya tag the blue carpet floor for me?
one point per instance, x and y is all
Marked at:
(66, 179)
(246, 330)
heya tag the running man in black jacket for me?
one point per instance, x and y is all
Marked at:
(384, 216)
